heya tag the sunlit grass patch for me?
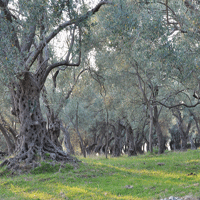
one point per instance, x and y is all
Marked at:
(125, 177)
(25, 192)
(87, 192)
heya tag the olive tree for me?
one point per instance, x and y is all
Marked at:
(27, 29)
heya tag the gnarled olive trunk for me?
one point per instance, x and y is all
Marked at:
(33, 139)
(25, 96)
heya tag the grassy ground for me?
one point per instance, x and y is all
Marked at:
(142, 177)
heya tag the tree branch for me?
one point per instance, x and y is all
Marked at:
(177, 105)
(62, 103)
(65, 62)
(3, 3)
(8, 16)
(71, 45)
(29, 39)
(174, 14)
(76, 21)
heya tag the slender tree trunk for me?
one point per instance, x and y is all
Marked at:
(183, 134)
(192, 143)
(83, 149)
(151, 129)
(161, 148)
(106, 149)
(131, 142)
(196, 121)
(67, 142)
(117, 142)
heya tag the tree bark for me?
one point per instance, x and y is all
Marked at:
(67, 142)
(151, 129)
(183, 134)
(10, 145)
(34, 140)
(131, 142)
(83, 149)
(117, 142)
(54, 130)
(156, 123)
(196, 121)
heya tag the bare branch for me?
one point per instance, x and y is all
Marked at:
(54, 78)
(65, 62)
(98, 80)
(175, 16)
(140, 83)
(58, 64)
(69, 93)
(71, 45)
(178, 105)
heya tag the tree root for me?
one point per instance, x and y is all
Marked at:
(33, 156)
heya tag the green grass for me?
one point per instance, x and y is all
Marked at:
(100, 178)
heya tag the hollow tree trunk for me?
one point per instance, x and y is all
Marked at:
(34, 140)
